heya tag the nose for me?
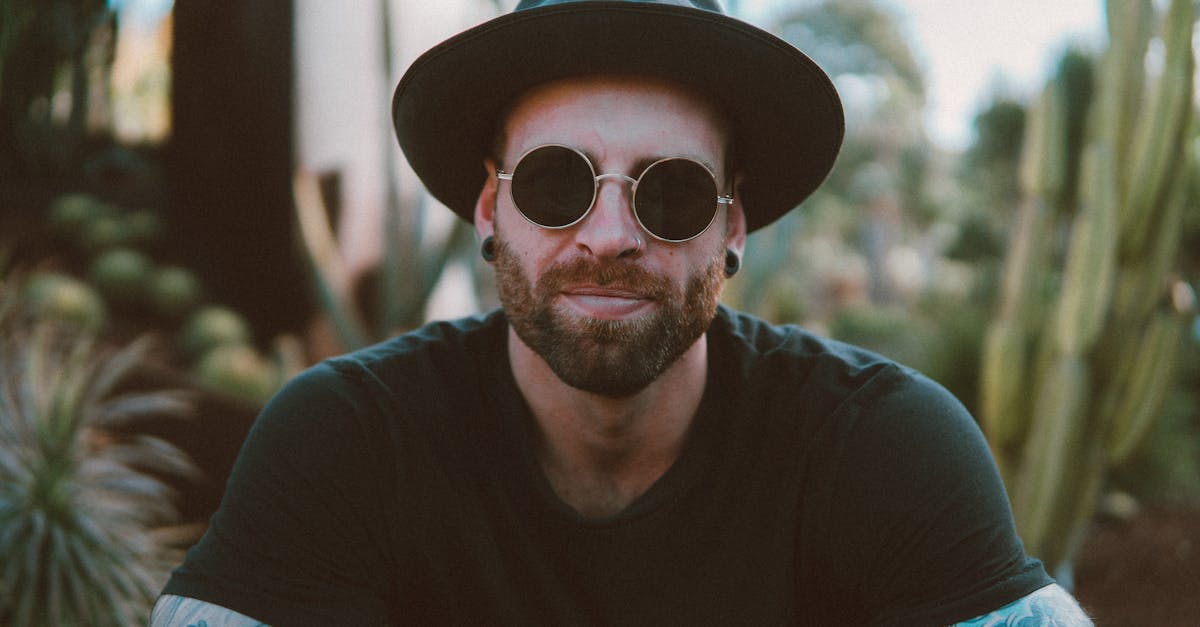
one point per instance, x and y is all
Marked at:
(610, 230)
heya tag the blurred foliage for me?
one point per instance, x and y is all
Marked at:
(81, 489)
(979, 240)
(54, 55)
(999, 133)
(392, 296)
(990, 163)
(99, 267)
(1167, 470)
(875, 199)
(856, 37)
(95, 312)
(893, 331)
(1082, 352)
(1075, 80)
(66, 300)
(887, 254)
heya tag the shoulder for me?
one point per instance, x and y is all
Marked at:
(762, 339)
(473, 337)
(766, 351)
(421, 360)
(360, 396)
(444, 351)
(832, 378)
(1051, 605)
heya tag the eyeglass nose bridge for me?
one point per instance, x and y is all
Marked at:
(613, 175)
(616, 175)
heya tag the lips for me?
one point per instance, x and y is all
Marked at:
(608, 291)
(607, 302)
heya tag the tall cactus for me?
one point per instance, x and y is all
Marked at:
(1072, 378)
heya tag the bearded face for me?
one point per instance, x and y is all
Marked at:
(613, 358)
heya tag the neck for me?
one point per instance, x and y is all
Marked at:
(600, 453)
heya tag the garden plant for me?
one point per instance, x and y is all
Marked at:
(1092, 315)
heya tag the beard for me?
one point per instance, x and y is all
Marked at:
(612, 358)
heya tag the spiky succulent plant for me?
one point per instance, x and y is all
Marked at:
(81, 490)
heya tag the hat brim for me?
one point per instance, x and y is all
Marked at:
(786, 115)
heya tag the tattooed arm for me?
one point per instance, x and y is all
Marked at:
(1047, 606)
(177, 611)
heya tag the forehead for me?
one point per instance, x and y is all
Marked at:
(617, 115)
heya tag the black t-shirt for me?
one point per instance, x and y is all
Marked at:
(820, 485)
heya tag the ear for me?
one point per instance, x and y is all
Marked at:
(485, 205)
(735, 220)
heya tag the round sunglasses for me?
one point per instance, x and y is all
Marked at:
(555, 187)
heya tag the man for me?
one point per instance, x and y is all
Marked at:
(614, 447)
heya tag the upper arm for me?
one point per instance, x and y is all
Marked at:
(924, 531)
(1050, 605)
(176, 611)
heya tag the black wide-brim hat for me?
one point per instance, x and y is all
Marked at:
(786, 115)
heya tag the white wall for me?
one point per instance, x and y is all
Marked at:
(343, 99)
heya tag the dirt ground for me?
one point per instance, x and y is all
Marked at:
(1143, 571)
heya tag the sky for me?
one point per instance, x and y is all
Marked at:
(973, 48)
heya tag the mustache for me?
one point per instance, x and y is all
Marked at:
(619, 275)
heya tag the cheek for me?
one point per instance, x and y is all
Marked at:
(707, 250)
(524, 250)
(536, 247)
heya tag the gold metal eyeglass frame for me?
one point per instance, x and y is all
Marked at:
(723, 199)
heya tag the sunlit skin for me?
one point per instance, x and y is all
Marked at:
(601, 452)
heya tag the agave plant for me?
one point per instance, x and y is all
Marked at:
(80, 489)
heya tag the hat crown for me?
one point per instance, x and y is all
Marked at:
(706, 5)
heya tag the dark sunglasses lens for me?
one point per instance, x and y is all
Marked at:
(553, 186)
(676, 199)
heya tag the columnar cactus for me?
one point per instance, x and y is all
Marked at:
(1082, 350)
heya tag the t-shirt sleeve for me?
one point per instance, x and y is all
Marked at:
(300, 536)
(922, 527)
